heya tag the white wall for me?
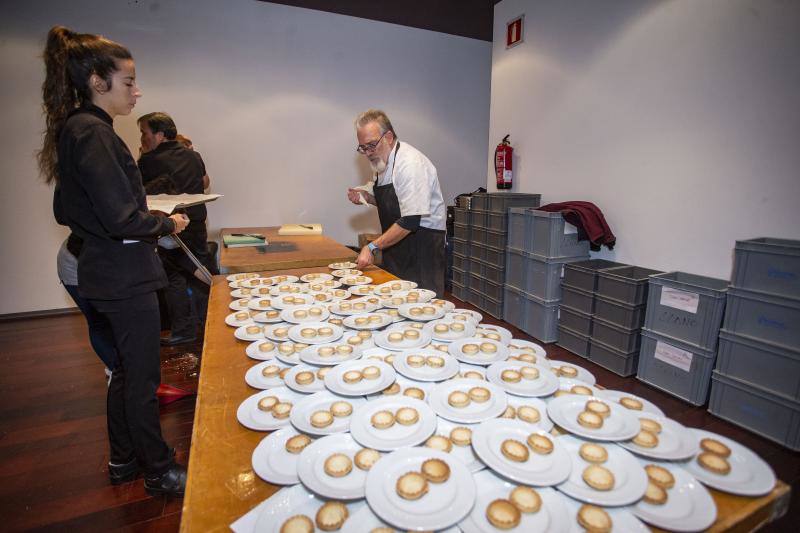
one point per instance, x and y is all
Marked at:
(679, 119)
(268, 94)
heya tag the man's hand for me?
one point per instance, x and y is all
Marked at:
(181, 221)
(354, 195)
(365, 258)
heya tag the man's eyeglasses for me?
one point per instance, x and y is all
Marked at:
(370, 147)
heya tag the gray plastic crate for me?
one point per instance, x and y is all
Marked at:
(767, 366)
(477, 217)
(479, 201)
(493, 290)
(621, 339)
(763, 316)
(513, 306)
(460, 216)
(459, 276)
(548, 236)
(686, 307)
(625, 284)
(494, 256)
(541, 318)
(496, 239)
(478, 235)
(577, 298)
(768, 265)
(476, 282)
(583, 274)
(767, 414)
(497, 221)
(536, 275)
(500, 202)
(492, 306)
(575, 320)
(460, 261)
(619, 362)
(474, 297)
(489, 271)
(517, 228)
(675, 367)
(461, 247)
(619, 314)
(459, 291)
(462, 231)
(515, 268)
(573, 341)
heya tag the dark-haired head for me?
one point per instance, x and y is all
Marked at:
(160, 122)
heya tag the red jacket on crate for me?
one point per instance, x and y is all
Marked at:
(589, 220)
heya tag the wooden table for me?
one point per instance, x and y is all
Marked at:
(282, 252)
(222, 485)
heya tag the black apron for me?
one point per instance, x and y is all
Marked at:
(420, 256)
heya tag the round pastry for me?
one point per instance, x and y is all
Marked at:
(594, 519)
(245, 316)
(341, 409)
(307, 333)
(366, 457)
(325, 331)
(344, 349)
(359, 306)
(479, 394)
(650, 425)
(590, 420)
(529, 372)
(526, 499)
(375, 319)
(458, 327)
(559, 393)
(283, 372)
(514, 450)
(470, 349)
(438, 442)
(598, 477)
(325, 351)
(461, 436)
(568, 371)
(440, 347)
(371, 372)
(397, 301)
(646, 439)
(364, 335)
(510, 412)
(344, 306)
(304, 378)
(355, 340)
(415, 361)
(300, 313)
(411, 334)
(526, 358)
(270, 371)
(282, 410)
(631, 403)
(253, 330)
(654, 495)
(660, 476)
(473, 374)
(414, 392)
(264, 303)
(540, 444)
(581, 389)
(315, 311)
(338, 465)
(435, 470)
(510, 376)
(298, 524)
(593, 453)
(335, 321)
(331, 516)
(458, 398)
(714, 446)
(272, 314)
(266, 347)
(434, 361)
(529, 414)
(322, 372)
(411, 486)
(502, 514)
(299, 347)
(493, 336)
(488, 347)
(394, 337)
(394, 388)
(438, 328)
(714, 463)
(321, 419)
(352, 376)
(406, 416)
(415, 311)
(267, 403)
(382, 420)
(297, 443)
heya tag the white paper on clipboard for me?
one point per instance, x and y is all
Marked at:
(167, 203)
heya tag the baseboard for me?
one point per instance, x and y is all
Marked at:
(45, 313)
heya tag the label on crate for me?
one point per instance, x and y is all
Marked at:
(569, 229)
(678, 299)
(674, 356)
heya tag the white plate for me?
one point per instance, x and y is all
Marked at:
(335, 383)
(315, 277)
(616, 395)
(450, 335)
(233, 322)
(241, 334)
(392, 314)
(365, 344)
(425, 372)
(545, 385)
(250, 417)
(288, 314)
(619, 425)
(408, 310)
(256, 304)
(294, 500)
(358, 280)
(311, 354)
(480, 358)
(750, 475)
(359, 291)
(366, 520)
(445, 503)
(364, 308)
(583, 374)
(241, 276)
(288, 288)
(240, 304)
(317, 385)
(404, 383)
(503, 334)
(344, 272)
(675, 442)
(549, 518)
(567, 384)
(301, 298)
(465, 454)
(368, 353)
(241, 292)
(311, 468)
(444, 304)
(296, 336)
(350, 321)
(284, 278)
(339, 294)
(257, 281)
(394, 286)
(253, 352)
(521, 345)
(476, 316)
(382, 339)
(472, 413)
(342, 265)
(270, 333)
(621, 518)
(689, 505)
(289, 358)
(466, 367)
(272, 463)
(262, 317)
(538, 470)
(301, 414)
(630, 479)
(256, 379)
(322, 286)
(398, 435)
(544, 421)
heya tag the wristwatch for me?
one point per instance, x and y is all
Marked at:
(373, 247)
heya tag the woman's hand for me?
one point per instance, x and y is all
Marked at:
(181, 221)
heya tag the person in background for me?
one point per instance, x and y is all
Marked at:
(90, 80)
(168, 166)
(409, 201)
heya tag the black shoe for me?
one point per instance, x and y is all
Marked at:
(174, 341)
(123, 473)
(172, 482)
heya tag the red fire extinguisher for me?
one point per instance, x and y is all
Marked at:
(502, 163)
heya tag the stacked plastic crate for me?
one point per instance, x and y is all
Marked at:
(679, 342)
(540, 244)
(460, 246)
(756, 383)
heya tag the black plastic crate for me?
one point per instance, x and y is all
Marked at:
(459, 291)
(462, 231)
(459, 276)
(460, 261)
(460, 216)
(461, 247)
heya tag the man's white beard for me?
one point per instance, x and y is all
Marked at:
(378, 166)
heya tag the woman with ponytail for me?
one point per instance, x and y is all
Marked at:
(98, 193)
